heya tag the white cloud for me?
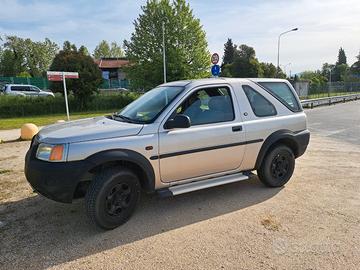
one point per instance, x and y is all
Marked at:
(324, 26)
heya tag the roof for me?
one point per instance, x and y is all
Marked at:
(111, 62)
(219, 80)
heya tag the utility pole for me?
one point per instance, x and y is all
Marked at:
(164, 56)
(329, 83)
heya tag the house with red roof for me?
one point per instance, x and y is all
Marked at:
(113, 72)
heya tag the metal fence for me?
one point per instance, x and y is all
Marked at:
(40, 82)
(332, 89)
(114, 84)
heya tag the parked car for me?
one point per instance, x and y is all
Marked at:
(25, 90)
(179, 137)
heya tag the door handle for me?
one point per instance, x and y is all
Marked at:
(237, 128)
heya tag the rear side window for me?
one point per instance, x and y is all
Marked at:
(259, 104)
(283, 93)
(19, 88)
(34, 89)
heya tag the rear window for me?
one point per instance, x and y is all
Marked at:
(283, 93)
(259, 104)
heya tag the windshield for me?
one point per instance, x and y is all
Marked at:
(147, 107)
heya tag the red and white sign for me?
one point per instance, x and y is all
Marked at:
(58, 75)
(215, 58)
(62, 76)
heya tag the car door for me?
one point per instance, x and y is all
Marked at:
(213, 143)
(16, 90)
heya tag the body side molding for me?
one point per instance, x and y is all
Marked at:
(196, 150)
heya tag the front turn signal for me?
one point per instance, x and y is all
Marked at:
(57, 152)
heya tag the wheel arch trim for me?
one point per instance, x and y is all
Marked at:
(280, 135)
(118, 155)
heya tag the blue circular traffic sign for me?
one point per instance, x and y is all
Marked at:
(215, 70)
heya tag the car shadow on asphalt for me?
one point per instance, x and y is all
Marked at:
(39, 233)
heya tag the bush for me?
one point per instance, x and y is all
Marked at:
(15, 106)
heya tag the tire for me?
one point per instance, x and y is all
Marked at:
(277, 167)
(112, 197)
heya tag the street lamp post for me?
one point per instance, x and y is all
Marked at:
(278, 54)
(163, 45)
(284, 66)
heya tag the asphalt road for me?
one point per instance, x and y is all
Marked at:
(339, 121)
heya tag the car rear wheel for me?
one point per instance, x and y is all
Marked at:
(112, 197)
(277, 166)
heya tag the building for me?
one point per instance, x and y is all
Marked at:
(113, 72)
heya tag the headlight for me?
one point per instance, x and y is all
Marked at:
(52, 152)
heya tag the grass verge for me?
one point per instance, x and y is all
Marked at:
(43, 120)
(324, 95)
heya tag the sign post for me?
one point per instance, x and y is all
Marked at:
(62, 76)
(215, 69)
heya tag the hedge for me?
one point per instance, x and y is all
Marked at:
(15, 106)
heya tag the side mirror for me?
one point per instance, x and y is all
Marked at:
(180, 121)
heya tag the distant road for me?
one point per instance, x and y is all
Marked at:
(340, 121)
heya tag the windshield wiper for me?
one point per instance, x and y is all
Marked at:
(126, 119)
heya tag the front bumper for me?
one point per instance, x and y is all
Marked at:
(54, 180)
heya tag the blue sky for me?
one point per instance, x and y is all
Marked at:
(324, 26)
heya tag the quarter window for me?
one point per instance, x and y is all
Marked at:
(208, 105)
(34, 89)
(282, 92)
(259, 104)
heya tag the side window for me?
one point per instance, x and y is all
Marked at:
(259, 104)
(282, 91)
(16, 88)
(208, 105)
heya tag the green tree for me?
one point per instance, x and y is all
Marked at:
(8, 65)
(245, 64)
(268, 70)
(69, 59)
(317, 80)
(104, 50)
(68, 47)
(116, 50)
(26, 55)
(355, 68)
(341, 67)
(325, 70)
(24, 74)
(341, 57)
(83, 50)
(187, 55)
(229, 52)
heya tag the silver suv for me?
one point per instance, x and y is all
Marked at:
(179, 137)
(25, 90)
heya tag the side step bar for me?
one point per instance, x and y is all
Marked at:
(202, 184)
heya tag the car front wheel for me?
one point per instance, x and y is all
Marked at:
(112, 197)
(277, 166)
